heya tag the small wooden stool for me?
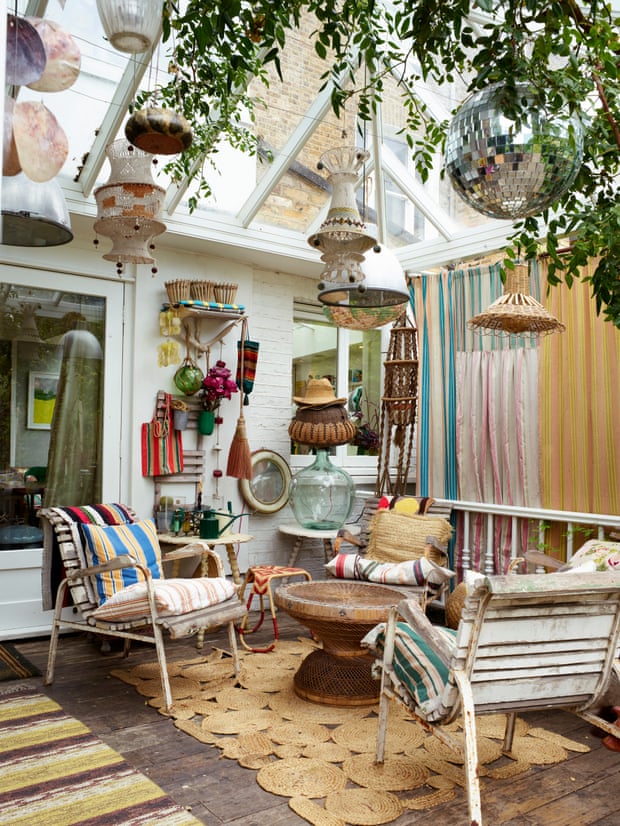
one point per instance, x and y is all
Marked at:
(260, 578)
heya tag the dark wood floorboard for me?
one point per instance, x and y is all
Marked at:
(582, 790)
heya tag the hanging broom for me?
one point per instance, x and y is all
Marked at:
(240, 457)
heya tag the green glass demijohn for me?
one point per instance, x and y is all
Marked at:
(321, 495)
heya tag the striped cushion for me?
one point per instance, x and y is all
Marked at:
(103, 543)
(172, 597)
(413, 572)
(420, 669)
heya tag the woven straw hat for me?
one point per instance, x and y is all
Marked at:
(319, 393)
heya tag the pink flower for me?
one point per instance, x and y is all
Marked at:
(217, 385)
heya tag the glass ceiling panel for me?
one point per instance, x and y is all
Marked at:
(81, 108)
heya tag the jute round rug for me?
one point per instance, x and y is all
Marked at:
(322, 757)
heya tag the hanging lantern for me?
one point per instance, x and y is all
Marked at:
(129, 206)
(33, 214)
(516, 311)
(380, 298)
(159, 131)
(506, 169)
(343, 237)
(131, 25)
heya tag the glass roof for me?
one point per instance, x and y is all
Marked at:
(281, 187)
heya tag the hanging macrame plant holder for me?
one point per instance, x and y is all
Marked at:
(398, 406)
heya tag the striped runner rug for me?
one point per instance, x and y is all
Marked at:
(55, 772)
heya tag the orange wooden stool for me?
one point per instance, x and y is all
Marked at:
(260, 578)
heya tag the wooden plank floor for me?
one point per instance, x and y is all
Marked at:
(580, 791)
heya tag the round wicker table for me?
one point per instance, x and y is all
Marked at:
(339, 613)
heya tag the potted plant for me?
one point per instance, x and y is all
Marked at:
(216, 385)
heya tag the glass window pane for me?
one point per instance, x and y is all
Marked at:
(365, 382)
(315, 356)
(50, 399)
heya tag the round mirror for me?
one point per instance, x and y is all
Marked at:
(267, 490)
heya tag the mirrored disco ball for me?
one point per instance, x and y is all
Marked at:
(505, 172)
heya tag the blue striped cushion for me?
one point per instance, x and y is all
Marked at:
(103, 543)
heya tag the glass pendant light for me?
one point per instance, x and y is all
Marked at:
(130, 25)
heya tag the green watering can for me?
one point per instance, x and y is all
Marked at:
(213, 524)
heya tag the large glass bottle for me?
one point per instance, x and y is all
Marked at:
(321, 495)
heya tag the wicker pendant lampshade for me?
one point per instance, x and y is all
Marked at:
(516, 311)
(129, 205)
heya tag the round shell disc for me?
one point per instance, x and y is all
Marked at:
(63, 61)
(42, 145)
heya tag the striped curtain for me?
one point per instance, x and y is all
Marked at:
(579, 405)
(478, 410)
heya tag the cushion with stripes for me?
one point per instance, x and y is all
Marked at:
(172, 597)
(422, 572)
(420, 669)
(136, 539)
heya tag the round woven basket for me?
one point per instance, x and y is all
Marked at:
(322, 427)
(178, 290)
(454, 605)
(201, 290)
(225, 293)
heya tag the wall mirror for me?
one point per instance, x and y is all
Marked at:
(267, 491)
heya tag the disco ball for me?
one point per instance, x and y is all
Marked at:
(505, 172)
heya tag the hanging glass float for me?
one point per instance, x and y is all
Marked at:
(508, 168)
(129, 205)
(159, 131)
(131, 25)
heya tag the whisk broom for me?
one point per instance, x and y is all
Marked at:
(240, 457)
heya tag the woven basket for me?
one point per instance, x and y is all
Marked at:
(178, 290)
(225, 293)
(322, 427)
(202, 291)
(454, 605)
(396, 537)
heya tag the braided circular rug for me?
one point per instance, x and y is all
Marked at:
(320, 757)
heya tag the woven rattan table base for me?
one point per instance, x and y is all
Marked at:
(325, 678)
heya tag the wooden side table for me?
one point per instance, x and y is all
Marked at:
(228, 540)
(296, 530)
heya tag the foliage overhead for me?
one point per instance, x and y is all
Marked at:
(568, 52)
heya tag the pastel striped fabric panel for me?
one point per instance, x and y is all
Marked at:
(138, 539)
(579, 399)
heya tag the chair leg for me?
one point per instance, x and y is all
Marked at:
(471, 749)
(234, 650)
(509, 732)
(161, 658)
(388, 655)
(51, 657)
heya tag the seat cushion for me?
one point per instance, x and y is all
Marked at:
(420, 669)
(412, 572)
(105, 542)
(173, 597)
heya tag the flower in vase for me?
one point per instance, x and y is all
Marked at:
(217, 385)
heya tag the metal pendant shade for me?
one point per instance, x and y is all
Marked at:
(516, 311)
(33, 214)
(379, 299)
